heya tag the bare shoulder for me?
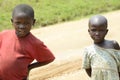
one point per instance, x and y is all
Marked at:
(112, 44)
(115, 44)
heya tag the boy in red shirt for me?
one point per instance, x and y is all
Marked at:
(18, 48)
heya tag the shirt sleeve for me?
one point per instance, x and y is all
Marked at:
(118, 59)
(86, 60)
(0, 38)
(43, 54)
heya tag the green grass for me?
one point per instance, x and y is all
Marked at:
(48, 12)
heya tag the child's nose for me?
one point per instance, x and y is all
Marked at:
(97, 33)
(21, 26)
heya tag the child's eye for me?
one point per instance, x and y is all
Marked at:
(17, 23)
(27, 23)
(93, 30)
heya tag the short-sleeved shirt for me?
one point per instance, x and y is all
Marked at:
(17, 53)
(104, 63)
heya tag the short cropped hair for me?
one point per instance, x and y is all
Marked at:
(98, 19)
(23, 8)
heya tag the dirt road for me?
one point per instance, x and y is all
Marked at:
(72, 36)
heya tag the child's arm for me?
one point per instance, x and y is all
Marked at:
(116, 46)
(38, 64)
(119, 74)
(86, 62)
(42, 55)
(88, 71)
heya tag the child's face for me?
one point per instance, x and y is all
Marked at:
(22, 24)
(97, 32)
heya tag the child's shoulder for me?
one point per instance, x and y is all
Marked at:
(88, 48)
(6, 32)
(113, 43)
(36, 40)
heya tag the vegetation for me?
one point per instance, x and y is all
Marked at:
(48, 12)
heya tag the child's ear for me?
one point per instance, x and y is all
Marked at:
(106, 31)
(34, 21)
(88, 30)
(12, 20)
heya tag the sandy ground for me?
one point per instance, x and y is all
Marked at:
(74, 35)
(69, 38)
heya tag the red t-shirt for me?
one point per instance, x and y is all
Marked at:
(17, 53)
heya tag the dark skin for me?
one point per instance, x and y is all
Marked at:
(23, 24)
(98, 30)
(37, 64)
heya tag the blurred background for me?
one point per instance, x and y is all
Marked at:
(49, 12)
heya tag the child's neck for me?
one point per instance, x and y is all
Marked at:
(101, 44)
